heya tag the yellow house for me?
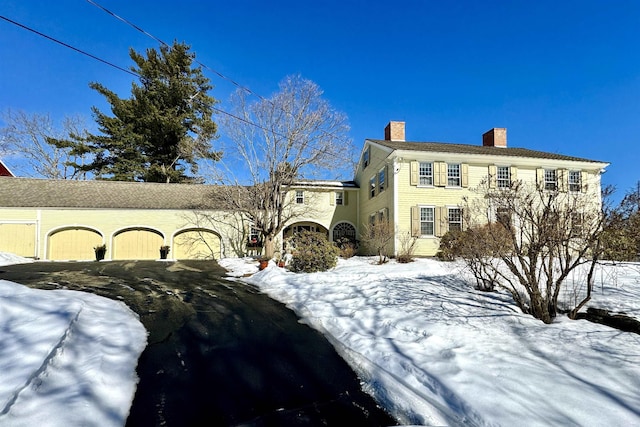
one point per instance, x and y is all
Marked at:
(417, 186)
(66, 219)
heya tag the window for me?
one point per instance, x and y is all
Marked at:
(365, 158)
(503, 177)
(503, 217)
(453, 175)
(455, 219)
(339, 198)
(299, 197)
(426, 174)
(301, 228)
(426, 221)
(575, 183)
(577, 224)
(254, 237)
(550, 179)
(344, 230)
(381, 180)
(372, 187)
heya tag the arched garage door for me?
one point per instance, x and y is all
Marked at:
(18, 239)
(137, 243)
(196, 244)
(73, 244)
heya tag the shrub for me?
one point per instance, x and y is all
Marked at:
(450, 246)
(407, 247)
(348, 247)
(312, 252)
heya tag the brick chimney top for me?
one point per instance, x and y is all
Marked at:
(496, 137)
(394, 131)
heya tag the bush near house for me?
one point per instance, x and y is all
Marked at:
(312, 252)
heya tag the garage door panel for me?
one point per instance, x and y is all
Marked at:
(137, 244)
(196, 244)
(73, 244)
(18, 239)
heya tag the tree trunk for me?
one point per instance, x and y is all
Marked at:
(269, 246)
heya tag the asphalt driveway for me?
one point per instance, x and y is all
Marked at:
(220, 353)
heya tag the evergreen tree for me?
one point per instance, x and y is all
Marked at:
(165, 126)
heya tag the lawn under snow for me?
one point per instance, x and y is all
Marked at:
(434, 351)
(67, 358)
(427, 346)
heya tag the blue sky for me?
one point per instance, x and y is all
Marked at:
(561, 76)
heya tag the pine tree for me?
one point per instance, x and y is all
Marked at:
(162, 129)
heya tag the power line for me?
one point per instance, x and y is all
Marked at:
(97, 58)
(244, 88)
(148, 34)
(68, 46)
(133, 73)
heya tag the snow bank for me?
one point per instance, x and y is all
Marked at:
(66, 358)
(434, 351)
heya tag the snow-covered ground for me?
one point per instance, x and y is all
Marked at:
(433, 351)
(67, 358)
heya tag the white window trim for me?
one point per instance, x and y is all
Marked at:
(579, 183)
(459, 175)
(508, 179)
(449, 208)
(420, 176)
(433, 210)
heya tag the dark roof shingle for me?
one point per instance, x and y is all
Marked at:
(443, 147)
(28, 192)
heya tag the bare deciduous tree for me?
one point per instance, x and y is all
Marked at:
(527, 240)
(33, 138)
(377, 236)
(274, 142)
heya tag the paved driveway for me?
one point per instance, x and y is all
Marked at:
(220, 353)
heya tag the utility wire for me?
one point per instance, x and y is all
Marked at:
(69, 46)
(133, 73)
(244, 88)
(146, 33)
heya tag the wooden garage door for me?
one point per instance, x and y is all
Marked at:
(73, 244)
(138, 243)
(196, 244)
(19, 239)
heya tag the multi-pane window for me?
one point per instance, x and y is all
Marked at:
(453, 175)
(382, 184)
(254, 236)
(344, 231)
(426, 173)
(426, 221)
(299, 196)
(575, 183)
(503, 216)
(503, 177)
(455, 219)
(550, 179)
(372, 187)
(339, 198)
(365, 158)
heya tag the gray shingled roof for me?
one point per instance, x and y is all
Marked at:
(27, 192)
(443, 147)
